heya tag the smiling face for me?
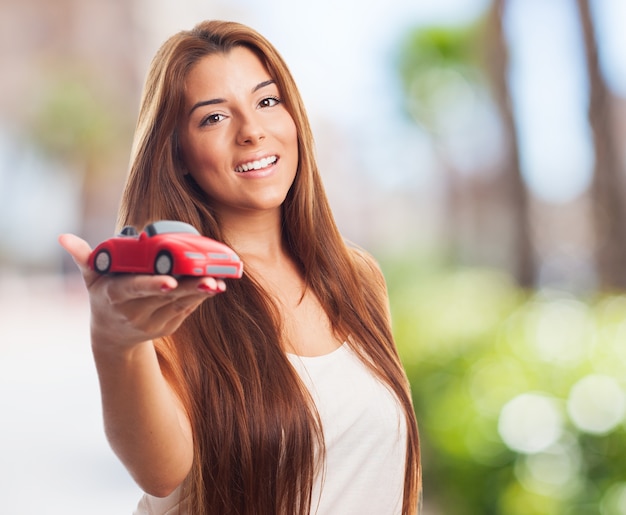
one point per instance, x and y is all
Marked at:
(237, 139)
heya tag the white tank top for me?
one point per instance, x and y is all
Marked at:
(364, 434)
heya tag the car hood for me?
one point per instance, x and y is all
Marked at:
(198, 243)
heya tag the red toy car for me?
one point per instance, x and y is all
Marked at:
(165, 247)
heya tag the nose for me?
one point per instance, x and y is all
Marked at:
(250, 130)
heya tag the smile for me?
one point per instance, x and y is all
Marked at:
(256, 165)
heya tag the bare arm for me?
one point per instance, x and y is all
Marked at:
(145, 422)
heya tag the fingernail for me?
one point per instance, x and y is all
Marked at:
(207, 288)
(166, 288)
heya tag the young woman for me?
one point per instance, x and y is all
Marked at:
(283, 393)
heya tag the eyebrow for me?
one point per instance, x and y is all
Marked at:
(214, 101)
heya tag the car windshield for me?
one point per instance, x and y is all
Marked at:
(169, 226)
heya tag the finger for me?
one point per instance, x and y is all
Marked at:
(147, 285)
(162, 289)
(159, 290)
(76, 247)
(211, 285)
(128, 287)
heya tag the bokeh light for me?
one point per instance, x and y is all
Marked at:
(597, 404)
(554, 471)
(530, 423)
(614, 500)
(559, 330)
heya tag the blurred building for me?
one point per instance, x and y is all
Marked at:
(69, 65)
(39, 36)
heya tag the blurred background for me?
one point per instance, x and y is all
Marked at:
(475, 147)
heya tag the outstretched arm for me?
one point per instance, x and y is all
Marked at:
(145, 422)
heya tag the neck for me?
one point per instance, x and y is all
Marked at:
(255, 236)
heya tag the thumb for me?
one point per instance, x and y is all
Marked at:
(78, 248)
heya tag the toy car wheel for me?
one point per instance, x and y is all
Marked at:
(163, 264)
(102, 261)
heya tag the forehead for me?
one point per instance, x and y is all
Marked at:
(236, 70)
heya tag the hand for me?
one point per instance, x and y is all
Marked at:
(129, 309)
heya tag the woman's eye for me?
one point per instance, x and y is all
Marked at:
(212, 119)
(269, 102)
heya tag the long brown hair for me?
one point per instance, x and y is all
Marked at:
(257, 435)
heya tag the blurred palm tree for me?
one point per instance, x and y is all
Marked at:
(439, 67)
(435, 63)
(496, 65)
(607, 186)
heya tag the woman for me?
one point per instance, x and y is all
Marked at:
(283, 393)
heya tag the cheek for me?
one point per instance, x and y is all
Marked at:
(291, 138)
(292, 130)
(199, 156)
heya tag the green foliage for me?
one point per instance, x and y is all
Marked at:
(430, 47)
(477, 348)
(439, 65)
(71, 120)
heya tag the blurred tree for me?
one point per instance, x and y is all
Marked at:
(473, 345)
(496, 66)
(434, 64)
(439, 67)
(71, 94)
(73, 123)
(607, 186)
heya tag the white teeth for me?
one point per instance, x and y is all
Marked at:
(257, 165)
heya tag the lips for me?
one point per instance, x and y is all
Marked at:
(256, 165)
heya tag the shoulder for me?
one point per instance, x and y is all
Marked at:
(373, 285)
(366, 265)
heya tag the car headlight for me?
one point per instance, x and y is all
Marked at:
(194, 255)
(218, 256)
